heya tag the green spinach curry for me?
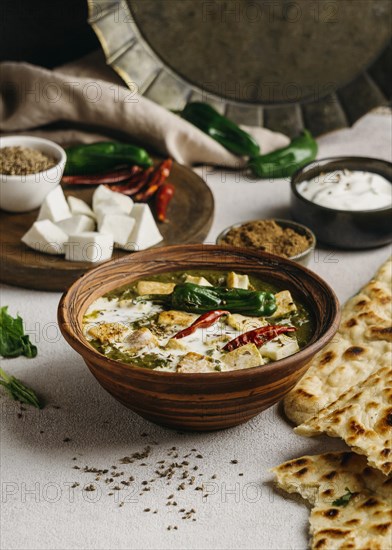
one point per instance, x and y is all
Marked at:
(198, 321)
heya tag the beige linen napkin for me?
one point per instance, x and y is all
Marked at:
(32, 97)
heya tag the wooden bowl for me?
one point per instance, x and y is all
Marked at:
(207, 401)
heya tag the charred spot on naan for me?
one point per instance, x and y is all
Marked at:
(304, 393)
(353, 352)
(362, 303)
(352, 522)
(379, 333)
(292, 464)
(301, 472)
(327, 358)
(379, 294)
(382, 528)
(334, 533)
(356, 428)
(330, 475)
(370, 503)
(331, 513)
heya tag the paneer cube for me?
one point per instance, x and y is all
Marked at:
(89, 247)
(45, 236)
(119, 226)
(280, 347)
(76, 224)
(109, 333)
(176, 345)
(145, 232)
(201, 281)
(243, 323)
(176, 318)
(195, 362)
(154, 287)
(235, 280)
(244, 357)
(140, 339)
(284, 304)
(105, 199)
(54, 207)
(79, 207)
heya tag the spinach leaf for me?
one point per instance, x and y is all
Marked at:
(18, 391)
(13, 341)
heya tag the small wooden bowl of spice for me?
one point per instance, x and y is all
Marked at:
(30, 167)
(284, 238)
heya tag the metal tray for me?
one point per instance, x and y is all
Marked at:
(283, 65)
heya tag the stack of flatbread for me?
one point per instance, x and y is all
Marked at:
(347, 393)
(351, 502)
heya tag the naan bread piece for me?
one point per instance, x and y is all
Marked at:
(361, 346)
(362, 416)
(352, 503)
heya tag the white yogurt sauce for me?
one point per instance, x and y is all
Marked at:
(346, 190)
(201, 341)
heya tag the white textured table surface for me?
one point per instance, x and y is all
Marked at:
(39, 507)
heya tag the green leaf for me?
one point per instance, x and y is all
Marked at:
(13, 341)
(344, 499)
(18, 391)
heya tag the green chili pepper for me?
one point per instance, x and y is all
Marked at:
(202, 299)
(100, 157)
(284, 162)
(223, 130)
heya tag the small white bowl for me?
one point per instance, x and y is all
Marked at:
(25, 193)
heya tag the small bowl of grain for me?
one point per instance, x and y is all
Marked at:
(283, 238)
(30, 167)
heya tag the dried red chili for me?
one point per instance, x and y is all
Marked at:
(157, 178)
(164, 196)
(204, 321)
(258, 336)
(115, 176)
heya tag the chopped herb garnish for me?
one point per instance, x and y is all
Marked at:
(344, 499)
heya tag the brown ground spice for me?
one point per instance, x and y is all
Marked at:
(23, 160)
(267, 235)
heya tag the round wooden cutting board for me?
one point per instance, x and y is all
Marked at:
(189, 220)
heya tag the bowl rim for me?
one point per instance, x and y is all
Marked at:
(326, 160)
(34, 139)
(297, 257)
(90, 354)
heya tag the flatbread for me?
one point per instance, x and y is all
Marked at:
(364, 523)
(361, 346)
(362, 417)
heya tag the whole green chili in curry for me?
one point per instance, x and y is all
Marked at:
(202, 299)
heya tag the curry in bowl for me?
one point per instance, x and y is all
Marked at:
(198, 322)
